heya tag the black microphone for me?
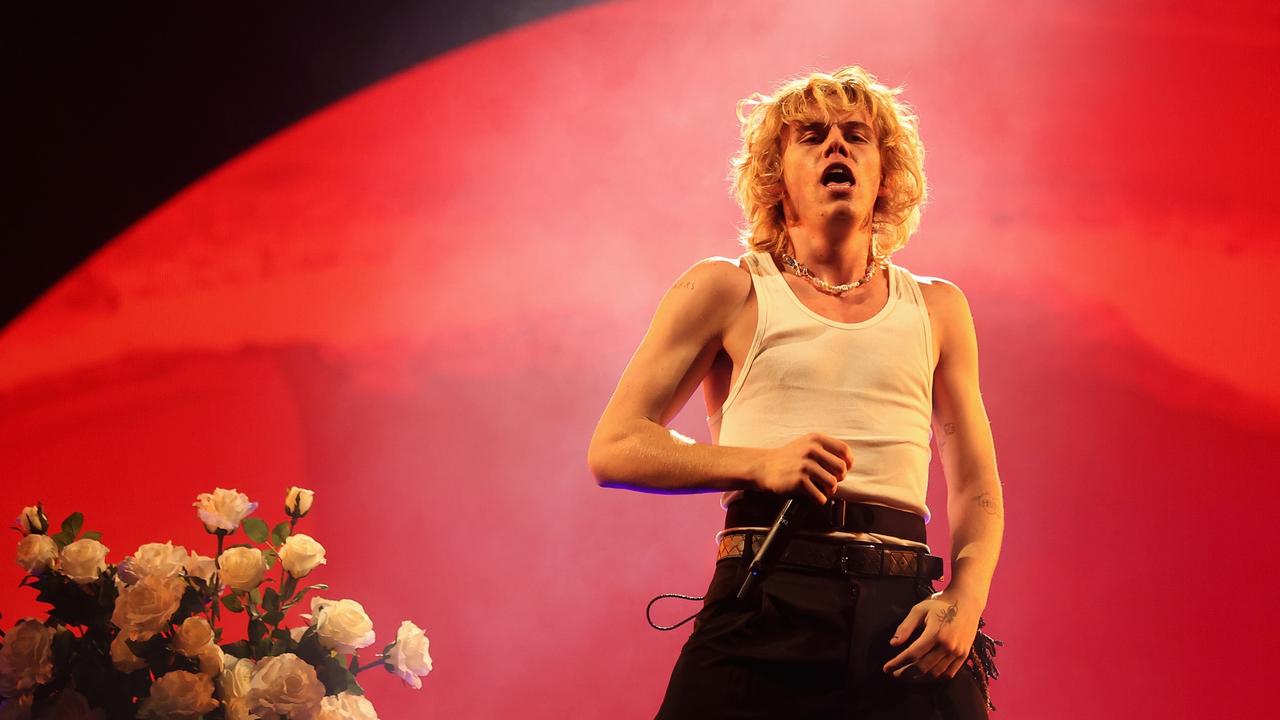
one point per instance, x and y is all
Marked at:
(774, 543)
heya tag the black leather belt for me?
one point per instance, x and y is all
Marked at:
(848, 558)
(756, 509)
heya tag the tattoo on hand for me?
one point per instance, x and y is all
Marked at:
(948, 615)
(989, 503)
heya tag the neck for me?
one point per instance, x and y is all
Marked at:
(834, 259)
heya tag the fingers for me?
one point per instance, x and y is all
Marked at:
(909, 656)
(908, 625)
(834, 464)
(839, 448)
(815, 492)
(820, 478)
(930, 656)
(933, 664)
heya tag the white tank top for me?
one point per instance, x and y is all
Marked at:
(868, 383)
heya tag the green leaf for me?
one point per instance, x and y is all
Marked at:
(63, 538)
(72, 524)
(91, 535)
(273, 617)
(334, 674)
(255, 596)
(269, 557)
(257, 631)
(239, 648)
(255, 529)
(270, 599)
(303, 591)
(279, 534)
(64, 644)
(232, 603)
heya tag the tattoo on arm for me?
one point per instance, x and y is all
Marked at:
(988, 502)
(948, 430)
(685, 285)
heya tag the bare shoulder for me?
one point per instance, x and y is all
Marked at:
(716, 285)
(719, 274)
(943, 298)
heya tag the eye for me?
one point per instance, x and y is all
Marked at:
(809, 137)
(857, 137)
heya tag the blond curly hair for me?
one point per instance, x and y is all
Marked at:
(757, 168)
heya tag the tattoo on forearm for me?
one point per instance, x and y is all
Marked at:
(949, 614)
(685, 285)
(988, 502)
(948, 429)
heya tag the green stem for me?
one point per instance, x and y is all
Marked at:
(217, 579)
(355, 664)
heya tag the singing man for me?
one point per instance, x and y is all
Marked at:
(826, 370)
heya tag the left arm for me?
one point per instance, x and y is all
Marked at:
(975, 502)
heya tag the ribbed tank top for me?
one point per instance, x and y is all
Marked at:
(867, 383)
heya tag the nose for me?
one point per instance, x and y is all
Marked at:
(835, 143)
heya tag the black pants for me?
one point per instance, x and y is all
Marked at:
(809, 646)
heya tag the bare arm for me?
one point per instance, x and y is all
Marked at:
(975, 502)
(632, 448)
(975, 505)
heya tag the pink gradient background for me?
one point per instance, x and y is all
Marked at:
(418, 300)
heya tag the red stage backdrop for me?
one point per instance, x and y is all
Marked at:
(417, 302)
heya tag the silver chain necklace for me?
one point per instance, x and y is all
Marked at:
(803, 271)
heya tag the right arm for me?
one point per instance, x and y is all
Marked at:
(632, 448)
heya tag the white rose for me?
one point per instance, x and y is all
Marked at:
(238, 709)
(301, 554)
(192, 636)
(341, 625)
(159, 559)
(285, 685)
(298, 502)
(32, 520)
(223, 509)
(199, 566)
(346, 706)
(37, 553)
(242, 568)
(144, 608)
(236, 677)
(26, 659)
(83, 560)
(122, 657)
(179, 694)
(210, 658)
(409, 657)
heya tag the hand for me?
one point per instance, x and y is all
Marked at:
(809, 466)
(950, 626)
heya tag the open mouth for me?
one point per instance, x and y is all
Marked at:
(837, 176)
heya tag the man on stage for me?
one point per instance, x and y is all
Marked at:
(825, 367)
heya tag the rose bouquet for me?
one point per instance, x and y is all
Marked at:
(143, 638)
